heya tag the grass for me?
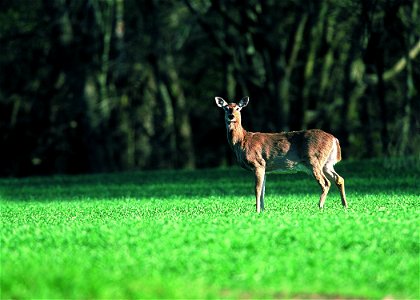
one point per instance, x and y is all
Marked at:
(178, 234)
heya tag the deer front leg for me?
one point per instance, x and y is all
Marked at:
(262, 195)
(259, 188)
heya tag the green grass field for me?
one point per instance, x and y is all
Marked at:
(177, 234)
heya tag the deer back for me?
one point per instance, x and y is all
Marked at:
(286, 151)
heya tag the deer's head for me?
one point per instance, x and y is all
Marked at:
(232, 110)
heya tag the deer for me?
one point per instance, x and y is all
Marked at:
(311, 151)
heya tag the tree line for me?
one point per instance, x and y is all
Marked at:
(111, 85)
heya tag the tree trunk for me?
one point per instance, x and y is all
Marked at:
(183, 133)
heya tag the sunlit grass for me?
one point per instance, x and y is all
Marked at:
(177, 234)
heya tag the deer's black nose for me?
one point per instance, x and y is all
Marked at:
(231, 117)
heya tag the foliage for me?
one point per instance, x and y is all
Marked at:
(92, 86)
(178, 234)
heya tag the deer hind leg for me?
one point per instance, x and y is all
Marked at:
(323, 183)
(259, 188)
(339, 182)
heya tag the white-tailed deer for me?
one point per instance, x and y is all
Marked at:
(313, 151)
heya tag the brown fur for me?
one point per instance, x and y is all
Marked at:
(338, 150)
(313, 151)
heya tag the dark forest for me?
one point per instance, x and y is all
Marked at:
(102, 86)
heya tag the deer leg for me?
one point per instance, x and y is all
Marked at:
(259, 187)
(262, 195)
(323, 183)
(339, 182)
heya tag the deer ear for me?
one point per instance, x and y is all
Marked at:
(220, 102)
(243, 102)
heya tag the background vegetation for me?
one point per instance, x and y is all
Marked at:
(93, 85)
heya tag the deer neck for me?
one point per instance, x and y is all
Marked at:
(235, 134)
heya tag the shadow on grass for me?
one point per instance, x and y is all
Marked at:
(365, 177)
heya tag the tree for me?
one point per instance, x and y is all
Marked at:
(91, 86)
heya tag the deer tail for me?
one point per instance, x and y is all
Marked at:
(338, 150)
